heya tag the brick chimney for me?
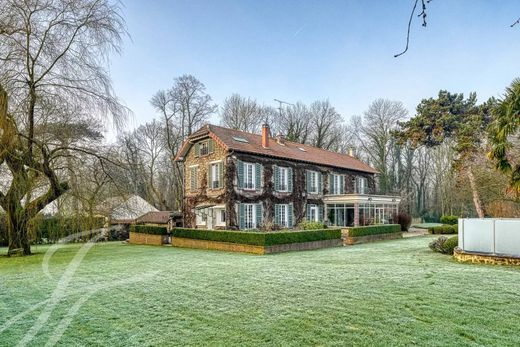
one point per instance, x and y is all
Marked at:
(265, 136)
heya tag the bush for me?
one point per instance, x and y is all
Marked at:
(149, 229)
(307, 225)
(52, 229)
(443, 229)
(403, 219)
(374, 230)
(256, 238)
(444, 245)
(451, 220)
(430, 217)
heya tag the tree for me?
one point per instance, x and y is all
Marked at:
(244, 114)
(53, 57)
(504, 135)
(374, 132)
(451, 117)
(325, 124)
(184, 108)
(294, 123)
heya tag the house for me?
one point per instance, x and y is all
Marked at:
(239, 180)
(125, 209)
(161, 218)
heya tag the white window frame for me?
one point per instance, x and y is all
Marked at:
(249, 211)
(201, 218)
(362, 188)
(220, 212)
(252, 168)
(214, 172)
(314, 182)
(337, 180)
(283, 179)
(313, 209)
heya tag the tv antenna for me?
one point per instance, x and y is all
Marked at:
(280, 103)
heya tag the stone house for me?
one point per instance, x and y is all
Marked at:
(238, 180)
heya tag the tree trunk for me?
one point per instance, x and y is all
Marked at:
(479, 206)
(18, 234)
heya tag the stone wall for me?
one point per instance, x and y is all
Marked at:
(481, 258)
(204, 194)
(235, 247)
(147, 239)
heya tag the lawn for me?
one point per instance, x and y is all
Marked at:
(389, 293)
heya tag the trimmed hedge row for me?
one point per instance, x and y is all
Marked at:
(374, 230)
(444, 229)
(149, 229)
(256, 238)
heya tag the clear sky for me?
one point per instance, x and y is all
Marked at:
(308, 50)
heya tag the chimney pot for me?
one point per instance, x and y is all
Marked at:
(265, 135)
(352, 151)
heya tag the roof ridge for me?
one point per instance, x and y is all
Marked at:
(287, 141)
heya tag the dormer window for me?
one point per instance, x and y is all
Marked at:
(204, 148)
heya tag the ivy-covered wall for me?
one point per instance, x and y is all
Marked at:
(231, 194)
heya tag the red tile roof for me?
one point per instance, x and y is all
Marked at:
(231, 140)
(161, 217)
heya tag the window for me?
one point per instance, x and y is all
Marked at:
(215, 175)
(249, 216)
(203, 148)
(313, 213)
(249, 176)
(313, 181)
(223, 216)
(201, 217)
(220, 215)
(283, 215)
(240, 139)
(361, 185)
(337, 184)
(283, 179)
(194, 177)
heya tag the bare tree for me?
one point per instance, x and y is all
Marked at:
(374, 133)
(53, 58)
(294, 122)
(242, 113)
(326, 125)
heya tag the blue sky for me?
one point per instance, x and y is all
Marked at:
(308, 50)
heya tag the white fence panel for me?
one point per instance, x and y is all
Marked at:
(478, 235)
(495, 236)
(507, 237)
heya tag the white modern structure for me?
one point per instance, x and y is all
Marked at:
(494, 236)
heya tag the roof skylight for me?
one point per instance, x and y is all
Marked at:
(240, 139)
(302, 149)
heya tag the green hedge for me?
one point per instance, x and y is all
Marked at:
(451, 220)
(443, 229)
(52, 229)
(256, 238)
(374, 230)
(308, 225)
(149, 229)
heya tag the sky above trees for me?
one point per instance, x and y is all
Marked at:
(304, 51)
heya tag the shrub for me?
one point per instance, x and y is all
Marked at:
(450, 244)
(442, 229)
(257, 238)
(403, 219)
(307, 225)
(374, 230)
(444, 245)
(451, 220)
(52, 229)
(430, 217)
(149, 229)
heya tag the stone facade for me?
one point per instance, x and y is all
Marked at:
(230, 194)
